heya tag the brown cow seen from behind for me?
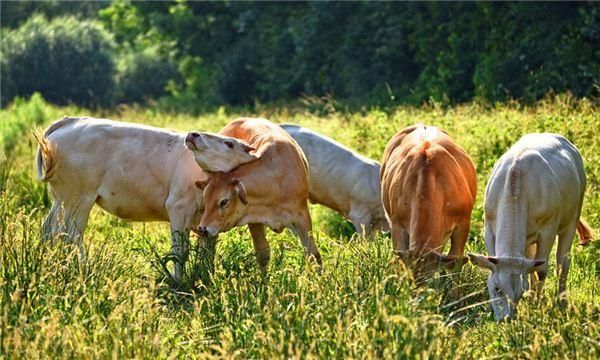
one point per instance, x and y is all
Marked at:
(428, 185)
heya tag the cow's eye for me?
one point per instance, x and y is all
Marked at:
(223, 203)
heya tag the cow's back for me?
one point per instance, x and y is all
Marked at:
(338, 176)
(418, 165)
(129, 167)
(280, 159)
(545, 171)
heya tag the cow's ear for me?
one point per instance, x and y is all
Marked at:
(240, 190)
(201, 184)
(486, 262)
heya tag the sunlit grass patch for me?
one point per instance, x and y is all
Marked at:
(364, 304)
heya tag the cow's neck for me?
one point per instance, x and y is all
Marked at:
(512, 219)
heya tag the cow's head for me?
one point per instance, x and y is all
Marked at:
(215, 152)
(507, 282)
(225, 203)
(380, 221)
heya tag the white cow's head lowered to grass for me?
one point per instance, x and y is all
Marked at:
(216, 153)
(507, 282)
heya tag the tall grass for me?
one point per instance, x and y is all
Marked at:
(364, 304)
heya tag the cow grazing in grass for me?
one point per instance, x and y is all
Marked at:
(342, 179)
(338, 177)
(132, 171)
(428, 187)
(535, 193)
(269, 191)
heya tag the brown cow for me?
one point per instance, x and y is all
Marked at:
(428, 187)
(272, 190)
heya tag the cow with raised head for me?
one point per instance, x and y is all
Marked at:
(428, 188)
(270, 191)
(132, 171)
(215, 152)
(534, 194)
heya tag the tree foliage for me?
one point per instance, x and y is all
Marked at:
(142, 75)
(66, 60)
(363, 52)
(382, 51)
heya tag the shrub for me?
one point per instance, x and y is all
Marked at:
(66, 60)
(143, 75)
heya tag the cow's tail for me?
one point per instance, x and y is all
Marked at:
(45, 159)
(584, 231)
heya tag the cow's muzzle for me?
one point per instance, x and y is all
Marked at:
(206, 231)
(190, 140)
(201, 231)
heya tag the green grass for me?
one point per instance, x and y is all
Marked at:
(364, 304)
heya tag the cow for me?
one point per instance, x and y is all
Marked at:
(132, 171)
(535, 193)
(270, 191)
(338, 177)
(428, 187)
(342, 179)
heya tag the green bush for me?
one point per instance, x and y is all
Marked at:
(143, 75)
(66, 60)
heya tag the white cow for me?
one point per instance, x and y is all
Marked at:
(535, 193)
(135, 172)
(342, 179)
(339, 178)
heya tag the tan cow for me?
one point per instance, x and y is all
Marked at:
(428, 187)
(271, 191)
(133, 171)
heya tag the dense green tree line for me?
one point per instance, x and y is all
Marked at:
(205, 53)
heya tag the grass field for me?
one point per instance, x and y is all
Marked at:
(363, 305)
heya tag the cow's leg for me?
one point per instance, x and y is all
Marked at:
(361, 219)
(50, 226)
(544, 245)
(303, 227)
(261, 246)
(459, 238)
(563, 258)
(530, 252)
(181, 216)
(209, 244)
(76, 215)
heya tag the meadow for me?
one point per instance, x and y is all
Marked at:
(365, 304)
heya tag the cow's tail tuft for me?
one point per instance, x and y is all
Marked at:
(584, 231)
(45, 159)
